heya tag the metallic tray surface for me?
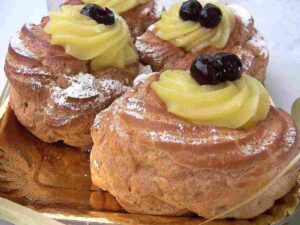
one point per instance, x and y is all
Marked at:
(55, 179)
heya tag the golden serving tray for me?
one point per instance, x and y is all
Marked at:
(55, 179)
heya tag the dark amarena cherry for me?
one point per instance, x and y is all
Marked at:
(220, 68)
(97, 13)
(190, 10)
(203, 70)
(228, 66)
(210, 16)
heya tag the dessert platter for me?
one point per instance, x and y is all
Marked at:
(127, 112)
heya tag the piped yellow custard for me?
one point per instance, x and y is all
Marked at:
(120, 6)
(85, 39)
(190, 35)
(232, 104)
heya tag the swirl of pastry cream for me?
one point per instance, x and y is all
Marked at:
(119, 5)
(191, 35)
(154, 162)
(85, 39)
(238, 104)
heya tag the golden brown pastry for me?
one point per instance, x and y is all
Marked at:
(138, 14)
(173, 43)
(59, 81)
(155, 162)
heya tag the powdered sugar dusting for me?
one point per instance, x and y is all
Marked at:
(253, 147)
(134, 108)
(214, 135)
(81, 86)
(18, 46)
(290, 137)
(110, 86)
(134, 114)
(141, 79)
(259, 42)
(32, 70)
(247, 61)
(180, 128)
(242, 13)
(197, 138)
(256, 146)
(166, 137)
(145, 47)
(35, 84)
(134, 104)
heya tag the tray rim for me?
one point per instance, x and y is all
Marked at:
(3, 107)
(74, 218)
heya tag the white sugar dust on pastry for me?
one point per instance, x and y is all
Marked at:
(68, 68)
(203, 27)
(159, 150)
(17, 44)
(192, 34)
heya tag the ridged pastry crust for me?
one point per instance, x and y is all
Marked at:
(155, 163)
(51, 93)
(138, 18)
(244, 41)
